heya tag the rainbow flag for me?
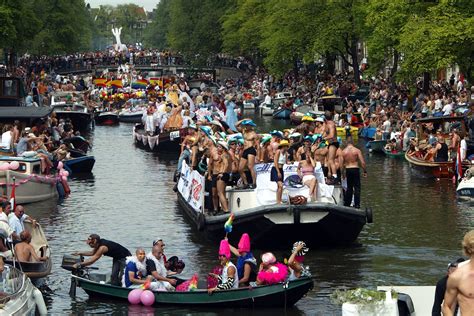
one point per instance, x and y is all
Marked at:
(228, 224)
(100, 82)
(117, 83)
(140, 84)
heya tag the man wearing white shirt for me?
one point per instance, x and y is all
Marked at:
(448, 108)
(17, 219)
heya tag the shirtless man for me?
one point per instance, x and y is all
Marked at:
(460, 284)
(24, 251)
(455, 142)
(247, 160)
(219, 163)
(234, 161)
(352, 157)
(330, 135)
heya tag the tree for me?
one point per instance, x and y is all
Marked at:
(441, 38)
(156, 33)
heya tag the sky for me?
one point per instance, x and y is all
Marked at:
(149, 5)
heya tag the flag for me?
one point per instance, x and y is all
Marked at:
(459, 164)
(139, 84)
(156, 82)
(117, 83)
(12, 196)
(228, 224)
(100, 82)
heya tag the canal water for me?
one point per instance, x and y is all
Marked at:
(129, 198)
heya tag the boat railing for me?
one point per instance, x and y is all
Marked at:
(12, 283)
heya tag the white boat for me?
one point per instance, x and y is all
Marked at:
(19, 295)
(249, 105)
(131, 116)
(266, 109)
(465, 187)
(31, 184)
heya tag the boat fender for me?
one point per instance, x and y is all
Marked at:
(67, 190)
(369, 215)
(201, 221)
(40, 305)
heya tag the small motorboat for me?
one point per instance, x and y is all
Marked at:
(107, 118)
(394, 154)
(128, 116)
(465, 187)
(282, 113)
(78, 113)
(82, 164)
(31, 185)
(19, 295)
(275, 295)
(377, 146)
(35, 270)
(266, 109)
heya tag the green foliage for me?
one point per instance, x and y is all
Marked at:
(156, 33)
(360, 296)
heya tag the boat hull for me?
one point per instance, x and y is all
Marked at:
(29, 189)
(397, 155)
(131, 118)
(80, 120)
(80, 164)
(318, 224)
(107, 119)
(277, 295)
(167, 141)
(282, 114)
(465, 188)
(431, 169)
(23, 301)
(377, 146)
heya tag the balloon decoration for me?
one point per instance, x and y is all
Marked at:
(14, 165)
(5, 166)
(60, 165)
(134, 296)
(147, 298)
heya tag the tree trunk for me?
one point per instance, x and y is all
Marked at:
(426, 82)
(330, 62)
(394, 70)
(355, 62)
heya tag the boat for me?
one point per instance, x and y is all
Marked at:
(341, 132)
(26, 115)
(106, 118)
(31, 185)
(297, 115)
(35, 270)
(82, 164)
(398, 154)
(78, 143)
(465, 187)
(12, 92)
(19, 296)
(377, 146)
(282, 113)
(170, 140)
(266, 109)
(78, 113)
(445, 169)
(249, 105)
(320, 223)
(128, 116)
(276, 295)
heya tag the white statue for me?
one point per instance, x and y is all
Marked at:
(119, 46)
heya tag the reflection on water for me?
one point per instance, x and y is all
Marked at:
(418, 225)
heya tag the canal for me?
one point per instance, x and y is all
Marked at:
(129, 198)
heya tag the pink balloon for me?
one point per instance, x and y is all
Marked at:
(147, 297)
(14, 165)
(60, 165)
(66, 173)
(134, 296)
(5, 166)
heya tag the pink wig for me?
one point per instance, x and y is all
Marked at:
(224, 249)
(268, 258)
(244, 243)
(276, 274)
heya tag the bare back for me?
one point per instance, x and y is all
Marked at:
(23, 252)
(352, 156)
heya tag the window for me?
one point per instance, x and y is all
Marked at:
(10, 88)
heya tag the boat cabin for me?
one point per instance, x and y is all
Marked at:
(444, 124)
(12, 92)
(27, 166)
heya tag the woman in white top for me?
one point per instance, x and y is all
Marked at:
(7, 137)
(276, 174)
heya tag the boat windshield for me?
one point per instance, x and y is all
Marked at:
(11, 282)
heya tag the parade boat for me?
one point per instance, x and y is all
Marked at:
(377, 146)
(465, 189)
(128, 116)
(444, 124)
(78, 113)
(282, 113)
(168, 140)
(35, 270)
(325, 222)
(80, 164)
(23, 173)
(266, 109)
(106, 118)
(19, 297)
(275, 295)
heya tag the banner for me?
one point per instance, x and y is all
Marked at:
(191, 187)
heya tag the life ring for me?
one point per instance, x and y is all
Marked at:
(369, 215)
(201, 221)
